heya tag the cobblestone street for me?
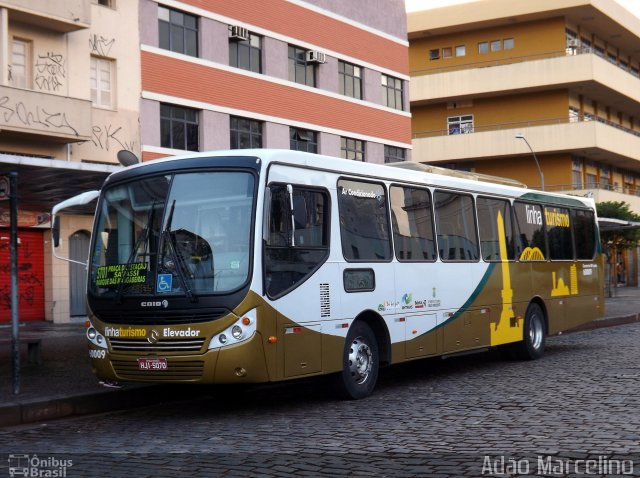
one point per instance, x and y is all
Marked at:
(430, 418)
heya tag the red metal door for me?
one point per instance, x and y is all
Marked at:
(30, 275)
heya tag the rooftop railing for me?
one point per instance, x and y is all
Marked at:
(468, 128)
(569, 51)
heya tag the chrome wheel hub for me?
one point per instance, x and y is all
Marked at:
(536, 332)
(360, 360)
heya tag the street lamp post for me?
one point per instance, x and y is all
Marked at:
(521, 136)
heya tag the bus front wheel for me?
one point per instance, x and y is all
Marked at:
(360, 363)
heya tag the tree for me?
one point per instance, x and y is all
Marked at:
(623, 239)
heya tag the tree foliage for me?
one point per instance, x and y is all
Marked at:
(623, 239)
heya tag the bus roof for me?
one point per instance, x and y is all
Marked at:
(416, 173)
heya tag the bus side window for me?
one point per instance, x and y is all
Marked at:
(456, 227)
(411, 217)
(584, 233)
(488, 225)
(364, 221)
(289, 263)
(530, 237)
(559, 238)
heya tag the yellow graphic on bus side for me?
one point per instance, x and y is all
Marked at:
(508, 329)
(560, 288)
(531, 254)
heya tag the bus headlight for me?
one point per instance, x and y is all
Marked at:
(243, 329)
(95, 337)
(237, 332)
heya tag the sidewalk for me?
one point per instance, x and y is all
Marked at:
(64, 385)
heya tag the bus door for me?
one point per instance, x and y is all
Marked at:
(299, 279)
(416, 272)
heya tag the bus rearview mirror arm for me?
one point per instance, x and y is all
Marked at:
(79, 200)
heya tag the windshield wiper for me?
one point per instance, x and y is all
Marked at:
(167, 238)
(142, 239)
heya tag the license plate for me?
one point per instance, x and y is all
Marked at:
(152, 363)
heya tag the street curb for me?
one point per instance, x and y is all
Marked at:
(607, 322)
(14, 414)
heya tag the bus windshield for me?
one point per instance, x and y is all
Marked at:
(185, 234)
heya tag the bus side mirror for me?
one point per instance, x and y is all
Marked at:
(79, 200)
(55, 231)
(266, 216)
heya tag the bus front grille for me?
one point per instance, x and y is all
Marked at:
(175, 371)
(162, 346)
(159, 317)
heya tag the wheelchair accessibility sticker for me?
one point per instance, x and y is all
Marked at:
(164, 283)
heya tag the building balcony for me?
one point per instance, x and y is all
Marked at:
(577, 70)
(30, 115)
(597, 140)
(60, 15)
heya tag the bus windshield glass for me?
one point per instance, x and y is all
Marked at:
(185, 234)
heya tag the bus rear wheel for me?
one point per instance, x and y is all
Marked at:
(360, 363)
(532, 347)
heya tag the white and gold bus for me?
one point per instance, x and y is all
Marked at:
(263, 265)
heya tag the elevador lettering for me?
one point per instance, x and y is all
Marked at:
(167, 332)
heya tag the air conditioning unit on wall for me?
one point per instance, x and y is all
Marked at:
(316, 57)
(239, 33)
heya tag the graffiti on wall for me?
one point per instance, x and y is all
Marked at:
(27, 278)
(109, 137)
(100, 45)
(50, 71)
(20, 114)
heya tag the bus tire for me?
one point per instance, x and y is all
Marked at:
(360, 363)
(532, 346)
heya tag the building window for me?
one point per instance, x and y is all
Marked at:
(352, 149)
(245, 54)
(604, 177)
(393, 154)
(574, 114)
(300, 70)
(496, 45)
(393, 92)
(447, 52)
(105, 3)
(101, 82)
(599, 51)
(178, 31)
(350, 77)
(245, 133)
(460, 124)
(179, 128)
(461, 50)
(434, 54)
(483, 47)
(19, 69)
(303, 140)
(576, 173)
(508, 43)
